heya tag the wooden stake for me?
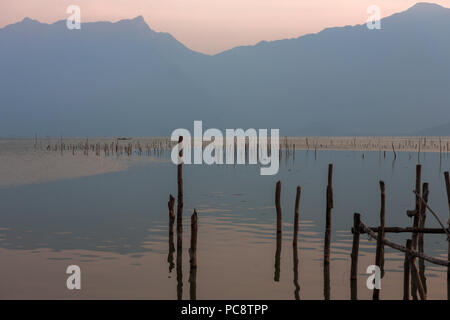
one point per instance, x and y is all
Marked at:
(447, 184)
(326, 259)
(295, 243)
(420, 239)
(379, 257)
(193, 257)
(278, 206)
(296, 214)
(279, 231)
(416, 225)
(180, 195)
(354, 256)
(406, 271)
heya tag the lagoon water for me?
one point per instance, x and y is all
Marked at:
(112, 221)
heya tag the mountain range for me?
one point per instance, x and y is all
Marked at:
(124, 79)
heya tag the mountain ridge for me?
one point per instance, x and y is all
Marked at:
(123, 78)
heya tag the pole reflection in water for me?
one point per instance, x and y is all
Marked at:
(170, 259)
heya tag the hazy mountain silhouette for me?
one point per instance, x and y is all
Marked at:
(438, 131)
(125, 79)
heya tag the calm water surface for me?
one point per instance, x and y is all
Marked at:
(115, 227)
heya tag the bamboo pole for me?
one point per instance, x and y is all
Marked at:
(326, 259)
(354, 256)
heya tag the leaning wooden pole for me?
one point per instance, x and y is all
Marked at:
(416, 277)
(447, 184)
(379, 257)
(327, 244)
(354, 256)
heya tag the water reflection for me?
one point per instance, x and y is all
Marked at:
(276, 276)
(122, 218)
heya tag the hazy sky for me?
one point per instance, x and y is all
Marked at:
(211, 26)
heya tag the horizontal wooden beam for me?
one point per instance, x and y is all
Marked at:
(404, 230)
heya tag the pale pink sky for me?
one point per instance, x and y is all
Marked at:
(211, 26)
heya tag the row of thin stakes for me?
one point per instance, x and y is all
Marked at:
(414, 280)
(179, 250)
(327, 244)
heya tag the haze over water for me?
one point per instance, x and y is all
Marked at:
(114, 224)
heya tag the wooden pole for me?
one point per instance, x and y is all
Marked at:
(447, 185)
(326, 259)
(416, 224)
(278, 206)
(180, 223)
(193, 249)
(193, 257)
(295, 243)
(180, 196)
(420, 239)
(354, 256)
(406, 271)
(297, 214)
(379, 257)
(279, 231)
(417, 206)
